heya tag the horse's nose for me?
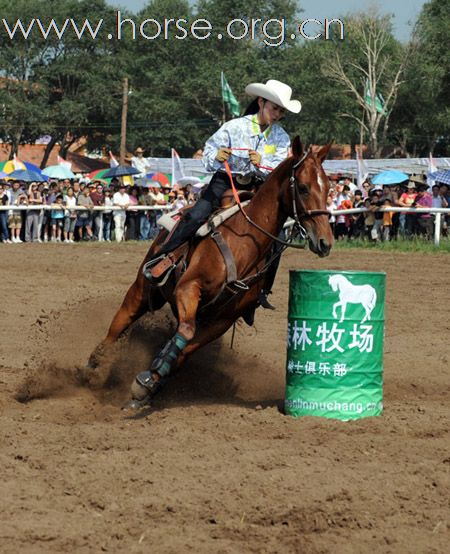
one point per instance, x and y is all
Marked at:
(324, 247)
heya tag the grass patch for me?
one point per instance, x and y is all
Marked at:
(415, 244)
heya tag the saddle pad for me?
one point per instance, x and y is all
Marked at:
(169, 220)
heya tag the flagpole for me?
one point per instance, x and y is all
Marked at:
(224, 117)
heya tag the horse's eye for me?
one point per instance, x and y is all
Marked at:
(302, 188)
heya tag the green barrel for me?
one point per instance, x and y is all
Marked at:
(335, 344)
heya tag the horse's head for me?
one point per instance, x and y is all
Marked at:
(333, 282)
(305, 196)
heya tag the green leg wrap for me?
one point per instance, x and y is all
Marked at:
(166, 359)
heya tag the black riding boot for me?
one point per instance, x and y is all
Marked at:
(194, 217)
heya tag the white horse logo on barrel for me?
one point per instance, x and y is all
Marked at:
(352, 294)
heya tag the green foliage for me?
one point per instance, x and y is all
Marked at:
(71, 87)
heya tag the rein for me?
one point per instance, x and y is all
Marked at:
(295, 197)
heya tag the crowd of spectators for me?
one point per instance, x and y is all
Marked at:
(375, 224)
(66, 222)
(62, 222)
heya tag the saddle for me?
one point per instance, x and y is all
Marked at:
(159, 269)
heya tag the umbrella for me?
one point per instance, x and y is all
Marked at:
(58, 172)
(98, 173)
(27, 175)
(441, 176)
(121, 171)
(160, 177)
(390, 177)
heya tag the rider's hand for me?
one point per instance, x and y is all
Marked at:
(223, 154)
(255, 158)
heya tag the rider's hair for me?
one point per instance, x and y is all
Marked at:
(253, 107)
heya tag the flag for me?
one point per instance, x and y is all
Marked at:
(363, 170)
(432, 168)
(112, 160)
(17, 163)
(379, 100)
(62, 161)
(229, 98)
(177, 167)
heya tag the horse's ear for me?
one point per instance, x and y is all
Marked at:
(323, 151)
(297, 148)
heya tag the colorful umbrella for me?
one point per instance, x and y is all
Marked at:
(27, 175)
(58, 172)
(390, 177)
(160, 177)
(98, 173)
(441, 176)
(9, 167)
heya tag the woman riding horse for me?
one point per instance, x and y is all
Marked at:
(252, 145)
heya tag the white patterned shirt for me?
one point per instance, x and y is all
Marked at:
(244, 132)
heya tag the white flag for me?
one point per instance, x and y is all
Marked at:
(17, 163)
(177, 167)
(112, 160)
(431, 169)
(363, 170)
(62, 161)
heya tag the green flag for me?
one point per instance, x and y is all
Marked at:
(379, 100)
(229, 98)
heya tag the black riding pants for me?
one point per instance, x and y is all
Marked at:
(193, 218)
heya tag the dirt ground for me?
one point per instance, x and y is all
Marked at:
(214, 467)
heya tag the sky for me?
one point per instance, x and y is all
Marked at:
(405, 12)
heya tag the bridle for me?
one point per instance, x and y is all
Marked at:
(299, 230)
(296, 198)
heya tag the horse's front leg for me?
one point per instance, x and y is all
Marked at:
(149, 382)
(335, 307)
(343, 308)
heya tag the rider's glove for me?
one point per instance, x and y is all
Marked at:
(223, 154)
(255, 158)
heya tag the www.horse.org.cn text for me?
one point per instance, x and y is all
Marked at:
(271, 32)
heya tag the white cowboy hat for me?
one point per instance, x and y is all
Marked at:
(275, 91)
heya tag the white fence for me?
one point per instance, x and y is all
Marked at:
(438, 212)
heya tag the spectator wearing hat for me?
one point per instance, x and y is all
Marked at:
(141, 164)
(32, 216)
(406, 200)
(122, 200)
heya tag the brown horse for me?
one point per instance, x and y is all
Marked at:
(204, 308)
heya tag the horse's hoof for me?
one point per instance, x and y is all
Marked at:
(134, 405)
(138, 392)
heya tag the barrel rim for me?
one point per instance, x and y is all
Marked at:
(344, 271)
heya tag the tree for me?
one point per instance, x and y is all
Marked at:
(422, 116)
(370, 65)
